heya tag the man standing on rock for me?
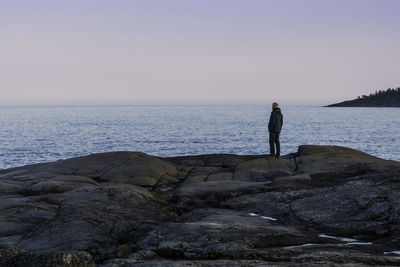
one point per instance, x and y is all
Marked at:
(274, 128)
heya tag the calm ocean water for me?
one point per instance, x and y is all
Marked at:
(41, 134)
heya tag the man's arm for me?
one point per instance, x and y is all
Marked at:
(272, 122)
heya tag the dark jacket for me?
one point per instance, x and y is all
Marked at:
(275, 121)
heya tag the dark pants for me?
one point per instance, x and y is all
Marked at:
(274, 141)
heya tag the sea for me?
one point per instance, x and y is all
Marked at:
(31, 135)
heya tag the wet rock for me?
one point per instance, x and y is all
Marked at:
(324, 205)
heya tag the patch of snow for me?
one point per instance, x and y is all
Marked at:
(350, 241)
(262, 217)
(360, 243)
(343, 239)
(299, 246)
(268, 218)
(397, 252)
(166, 189)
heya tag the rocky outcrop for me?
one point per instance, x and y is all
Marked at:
(323, 205)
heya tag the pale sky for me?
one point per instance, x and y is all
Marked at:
(196, 51)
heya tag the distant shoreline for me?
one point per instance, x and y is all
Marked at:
(338, 105)
(382, 99)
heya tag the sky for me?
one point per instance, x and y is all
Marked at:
(122, 52)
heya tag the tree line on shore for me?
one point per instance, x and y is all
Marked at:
(382, 98)
(390, 92)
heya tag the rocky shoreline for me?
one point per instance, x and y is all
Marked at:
(322, 205)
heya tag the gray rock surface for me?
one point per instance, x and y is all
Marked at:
(323, 205)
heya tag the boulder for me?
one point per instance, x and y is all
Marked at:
(339, 161)
(123, 167)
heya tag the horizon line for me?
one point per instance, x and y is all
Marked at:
(169, 104)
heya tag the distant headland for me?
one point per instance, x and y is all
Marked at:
(388, 98)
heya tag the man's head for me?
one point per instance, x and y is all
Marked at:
(275, 105)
